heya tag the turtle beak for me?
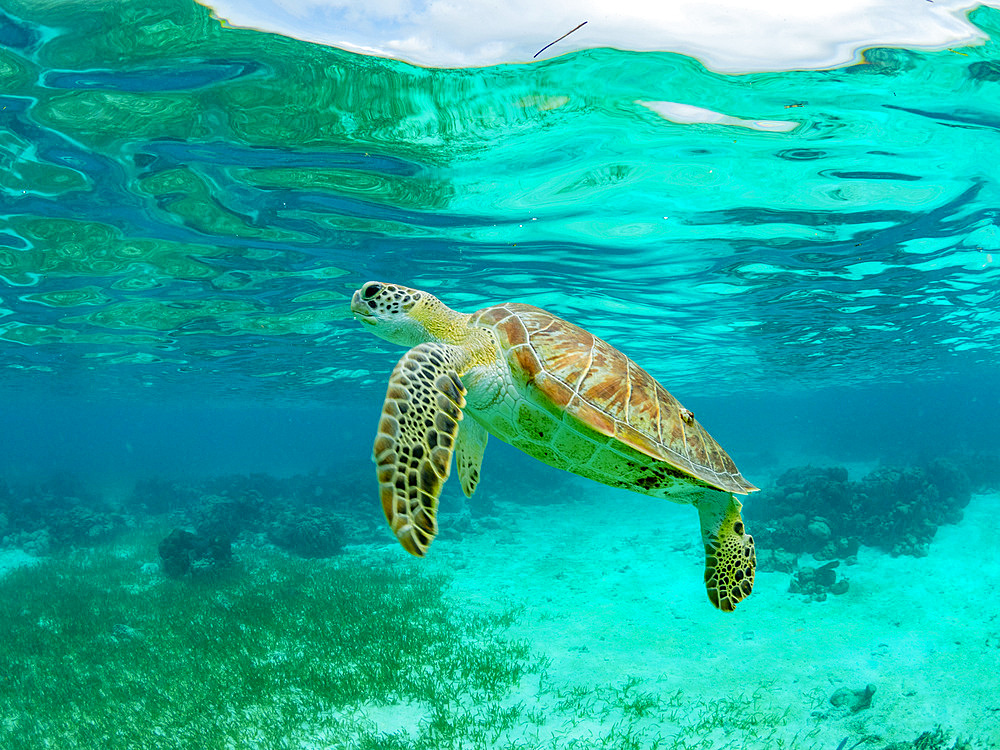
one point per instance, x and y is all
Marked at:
(361, 310)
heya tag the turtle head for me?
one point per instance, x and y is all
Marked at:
(397, 313)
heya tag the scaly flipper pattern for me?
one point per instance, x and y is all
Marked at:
(416, 438)
(730, 557)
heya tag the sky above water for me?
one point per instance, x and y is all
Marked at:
(726, 35)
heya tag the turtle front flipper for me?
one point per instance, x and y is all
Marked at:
(469, 449)
(730, 558)
(416, 437)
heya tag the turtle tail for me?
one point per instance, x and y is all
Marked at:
(730, 559)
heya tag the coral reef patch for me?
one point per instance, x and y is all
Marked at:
(307, 531)
(58, 513)
(308, 515)
(185, 553)
(819, 511)
(311, 515)
(816, 583)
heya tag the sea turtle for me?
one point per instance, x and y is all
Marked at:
(554, 391)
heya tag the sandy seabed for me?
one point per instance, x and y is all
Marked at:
(611, 587)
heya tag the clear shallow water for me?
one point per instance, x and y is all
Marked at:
(185, 210)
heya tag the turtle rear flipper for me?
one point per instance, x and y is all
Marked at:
(730, 558)
(416, 438)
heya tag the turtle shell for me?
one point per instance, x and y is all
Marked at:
(583, 376)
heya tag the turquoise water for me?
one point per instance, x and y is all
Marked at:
(180, 198)
(187, 208)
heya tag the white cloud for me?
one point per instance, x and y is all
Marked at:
(727, 35)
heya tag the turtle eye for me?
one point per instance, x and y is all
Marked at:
(370, 290)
